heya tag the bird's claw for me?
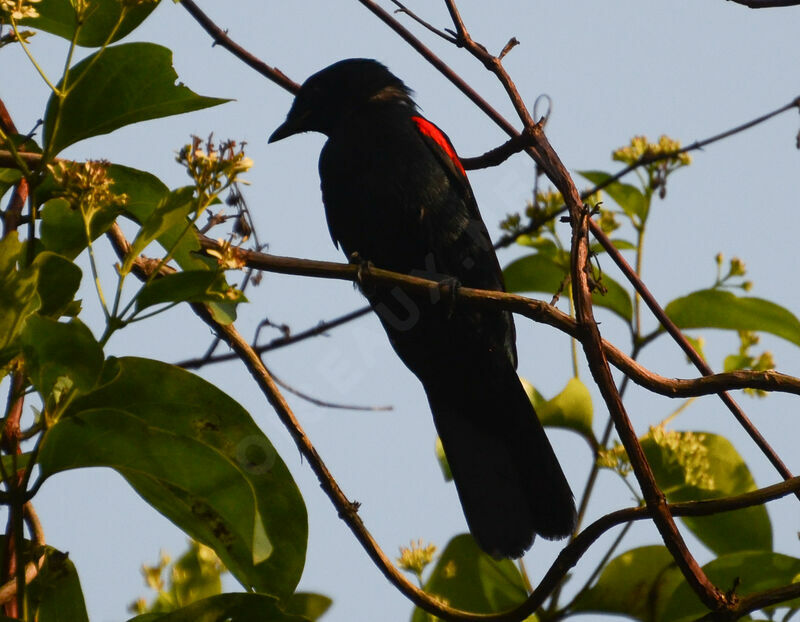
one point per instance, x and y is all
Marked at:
(363, 272)
(448, 288)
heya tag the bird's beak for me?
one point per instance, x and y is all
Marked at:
(294, 124)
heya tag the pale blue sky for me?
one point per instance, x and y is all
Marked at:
(614, 69)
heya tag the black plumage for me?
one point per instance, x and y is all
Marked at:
(396, 194)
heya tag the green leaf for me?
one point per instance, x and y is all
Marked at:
(696, 466)
(17, 290)
(195, 455)
(144, 190)
(58, 17)
(63, 229)
(55, 594)
(308, 605)
(58, 282)
(223, 312)
(228, 607)
(467, 578)
(716, 308)
(540, 273)
(126, 84)
(54, 350)
(192, 286)
(145, 194)
(535, 273)
(746, 571)
(628, 197)
(637, 584)
(171, 213)
(442, 459)
(571, 409)
(9, 177)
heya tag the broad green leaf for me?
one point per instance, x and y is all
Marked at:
(55, 594)
(17, 290)
(716, 308)
(227, 607)
(745, 572)
(8, 177)
(637, 583)
(55, 350)
(223, 312)
(540, 273)
(58, 281)
(571, 409)
(192, 286)
(63, 228)
(696, 466)
(628, 197)
(144, 190)
(308, 605)
(535, 273)
(145, 194)
(442, 459)
(127, 83)
(171, 213)
(195, 455)
(467, 578)
(104, 20)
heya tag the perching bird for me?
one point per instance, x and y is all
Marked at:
(396, 194)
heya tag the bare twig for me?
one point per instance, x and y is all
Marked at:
(422, 22)
(318, 402)
(221, 38)
(280, 342)
(504, 150)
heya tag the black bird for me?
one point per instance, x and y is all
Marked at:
(396, 194)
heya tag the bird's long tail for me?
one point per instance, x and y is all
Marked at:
(508, 478)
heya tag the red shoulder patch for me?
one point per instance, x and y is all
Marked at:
(434, 133)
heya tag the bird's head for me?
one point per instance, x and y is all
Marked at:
(331, 95)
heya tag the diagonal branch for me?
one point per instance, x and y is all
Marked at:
(696, 359)
(592, 341)
(221, 38)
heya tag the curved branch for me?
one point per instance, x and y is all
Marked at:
(536, 310)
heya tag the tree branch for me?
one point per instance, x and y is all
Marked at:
(280, 342)
(221, 38)
(536, 310)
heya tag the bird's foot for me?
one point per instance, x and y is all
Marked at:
(448, 290)
(363, 273)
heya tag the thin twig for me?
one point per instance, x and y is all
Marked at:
(318, 402)
(221, 38)
(280, 342)
(509, 239)
(423, 23)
